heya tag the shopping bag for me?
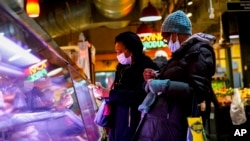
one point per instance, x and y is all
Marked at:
(237, 110)
(103, 115)
(195, 131)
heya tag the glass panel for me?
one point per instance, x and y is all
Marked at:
(105, 78)
(87, 104)
(44, 108)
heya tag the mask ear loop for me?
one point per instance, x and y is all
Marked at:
(170, 39)
(177, 38)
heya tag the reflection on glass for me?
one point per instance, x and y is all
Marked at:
(105, 78)
(87, 104)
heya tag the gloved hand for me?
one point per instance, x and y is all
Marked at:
(147, 102)
(156, 86)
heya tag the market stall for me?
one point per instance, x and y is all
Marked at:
(224, 129)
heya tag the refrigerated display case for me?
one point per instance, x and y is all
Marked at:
(43, 97)
(55, 108)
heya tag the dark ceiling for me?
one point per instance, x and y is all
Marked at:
(64, 20)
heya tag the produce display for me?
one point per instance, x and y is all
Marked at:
(224, 95)
(245, 95)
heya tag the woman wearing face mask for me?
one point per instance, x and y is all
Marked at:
(127, 91)
(187, 76)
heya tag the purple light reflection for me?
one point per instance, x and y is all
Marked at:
(8, 49)
(10, 70)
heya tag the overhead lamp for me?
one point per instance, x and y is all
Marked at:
(32, 8)
(144, 30)
(150, 13)
(190, 2)
(11, 51)
(19, 55)
(55, 72)
(189, 14)
(234, 36)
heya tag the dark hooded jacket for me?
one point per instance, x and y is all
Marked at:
(125, 97)
(190, 71)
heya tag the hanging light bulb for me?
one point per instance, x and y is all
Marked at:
(33, 8)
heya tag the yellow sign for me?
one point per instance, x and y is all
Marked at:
(153, 41)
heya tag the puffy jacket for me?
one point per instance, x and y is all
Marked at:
(125, 97)
(190, 71)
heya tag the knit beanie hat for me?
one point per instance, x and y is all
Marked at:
(177, 22)
(131, 41)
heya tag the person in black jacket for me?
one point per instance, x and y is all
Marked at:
(128, 91)
(187, 76)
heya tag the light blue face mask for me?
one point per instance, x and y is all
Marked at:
(174, 46)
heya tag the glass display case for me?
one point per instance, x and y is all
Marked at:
(42, 96)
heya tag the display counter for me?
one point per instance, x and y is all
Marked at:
(43, 97)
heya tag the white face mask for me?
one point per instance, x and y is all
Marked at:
(123, 60)
(174, 46)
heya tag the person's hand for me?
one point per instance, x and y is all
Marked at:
(100, 92)
(149, 73)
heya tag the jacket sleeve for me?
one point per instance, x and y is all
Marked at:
(177, 90)
(171, 89)
(200, 69)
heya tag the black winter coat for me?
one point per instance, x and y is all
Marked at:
(125, 97)
(190, 71)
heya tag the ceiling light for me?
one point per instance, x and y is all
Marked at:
(189, 14)
(33, 8)
(55, 72)
(233, 36)
(144, 30)
(10, 48)
(19, 55)
(190, 2)
(150, 13)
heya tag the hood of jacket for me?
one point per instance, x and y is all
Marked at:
(202, 37)
(195, 38)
